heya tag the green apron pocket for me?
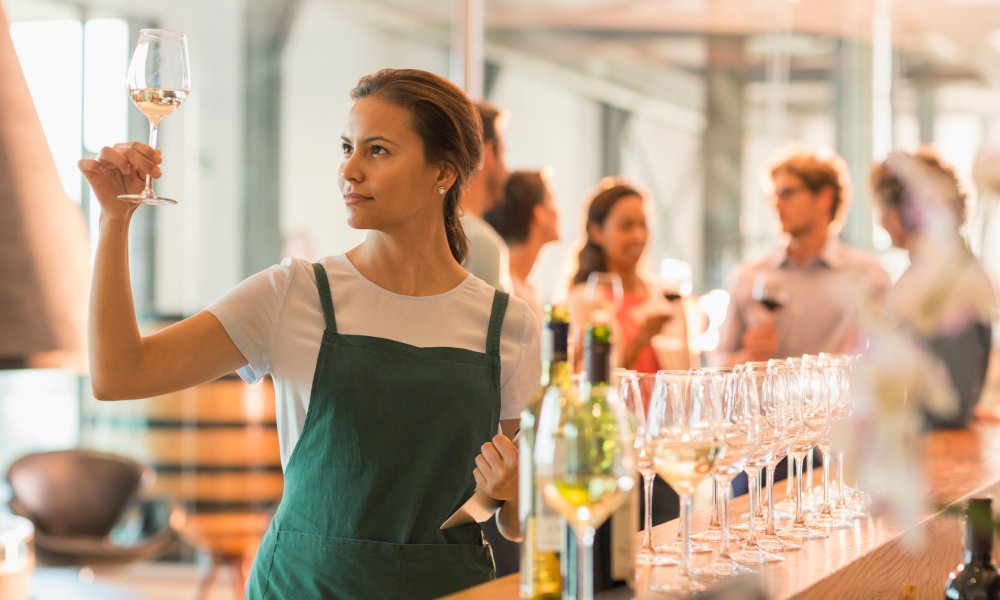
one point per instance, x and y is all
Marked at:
(308, 567)
(435, 570)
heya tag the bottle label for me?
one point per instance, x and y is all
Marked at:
(549, 526)
(623, 537)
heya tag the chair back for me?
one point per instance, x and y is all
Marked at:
(76, 493)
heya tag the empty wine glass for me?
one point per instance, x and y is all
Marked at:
(604, 295)
(584, 465)
(741, 424)
(791, 418)
(634, 389)
(685, 430)
(761, 389)
(159, 81)
(813, 400)
(834, 370)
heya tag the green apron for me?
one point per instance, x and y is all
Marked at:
(385, 456)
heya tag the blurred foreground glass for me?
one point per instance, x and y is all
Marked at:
(584, 465)
(17, 556)
(159, 81)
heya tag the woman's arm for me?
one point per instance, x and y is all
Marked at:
(123, 364)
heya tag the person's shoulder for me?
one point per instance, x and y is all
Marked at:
(477, 291)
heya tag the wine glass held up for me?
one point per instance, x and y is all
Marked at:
(770, 290)
(159, 81)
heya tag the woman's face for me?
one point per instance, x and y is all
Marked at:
(385, 178)
(547, 219)
(892, 223)
(623, 234)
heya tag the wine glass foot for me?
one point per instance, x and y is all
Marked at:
(831, 522)
(755, 555)
(674, 548)
(712, 534)
(723, 567)
(655, 559)
(681, 586)
(801, 533)
(774, 543)
(150, 200)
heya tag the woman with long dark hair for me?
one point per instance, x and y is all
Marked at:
(393, 367)
(649, 329)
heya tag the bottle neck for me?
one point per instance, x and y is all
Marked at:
(557, 372)
(598, 363)
(978, 542)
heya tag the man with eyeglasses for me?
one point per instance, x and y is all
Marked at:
(804, 297)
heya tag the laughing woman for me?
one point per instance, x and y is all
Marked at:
(393, 367)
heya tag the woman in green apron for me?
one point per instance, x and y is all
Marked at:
(393, 367)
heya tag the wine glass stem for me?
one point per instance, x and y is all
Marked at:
(800, 518)
(792, 477)
(723, 487)
(148, 191)
(714, 521)
(647, 538)
(841, 500)
(753, 477)
(686, 535)
(585, 557)
(826, 480)
(770, 500)
(809, 474)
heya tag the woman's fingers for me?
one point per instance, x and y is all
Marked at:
(113, 157)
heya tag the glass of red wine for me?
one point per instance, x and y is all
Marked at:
(770, 290)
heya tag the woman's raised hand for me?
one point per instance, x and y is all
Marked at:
(121, 169)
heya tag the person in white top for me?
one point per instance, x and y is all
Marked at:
(394, 368)
(487, 258)
(527, 219)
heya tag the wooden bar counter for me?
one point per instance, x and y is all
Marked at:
(874, 560)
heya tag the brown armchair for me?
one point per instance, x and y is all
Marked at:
(75, 498)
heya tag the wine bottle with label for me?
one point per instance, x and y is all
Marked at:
(614, 543)
(541, 526)
(977, 577)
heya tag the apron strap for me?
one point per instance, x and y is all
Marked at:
(496, 323)
(323, 285)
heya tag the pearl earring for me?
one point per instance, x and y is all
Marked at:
(441, 190)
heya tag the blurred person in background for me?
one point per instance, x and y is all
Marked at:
(803, 298)
(963, 345)
(527, 219)
(487, 257)
(649, 331)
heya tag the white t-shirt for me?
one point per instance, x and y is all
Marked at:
(488, 256)
(276, 321)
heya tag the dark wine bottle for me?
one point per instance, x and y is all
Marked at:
(614, 542)
(977, 577)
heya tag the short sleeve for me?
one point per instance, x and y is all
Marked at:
(521, 372)
(250, 313)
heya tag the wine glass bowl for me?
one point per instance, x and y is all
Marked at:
(159, 81)
(684, 429)
(770, 290)
(584, 464)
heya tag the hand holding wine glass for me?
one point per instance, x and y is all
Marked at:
(159, 81)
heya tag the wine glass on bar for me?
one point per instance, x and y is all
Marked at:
(634, 389)
(685, 430)
(741, 424)
(585, 466)
(159, 81)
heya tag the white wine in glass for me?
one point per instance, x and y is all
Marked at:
(159, 81)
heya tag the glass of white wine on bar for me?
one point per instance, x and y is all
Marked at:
(159, 81)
